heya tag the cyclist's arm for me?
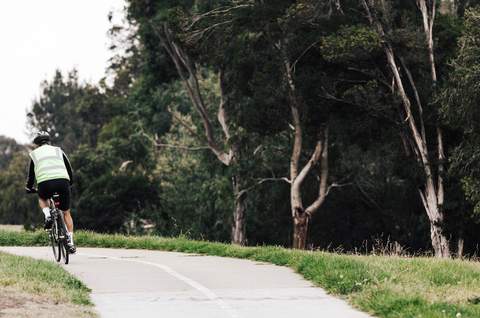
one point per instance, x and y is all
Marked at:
(69, 167)
(31, 175)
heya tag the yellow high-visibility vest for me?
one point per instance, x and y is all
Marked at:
(49, 165)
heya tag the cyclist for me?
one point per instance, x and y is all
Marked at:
(50, 168)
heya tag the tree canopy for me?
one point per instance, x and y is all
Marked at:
(325, 124)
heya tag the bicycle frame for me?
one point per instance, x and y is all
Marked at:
(58, 232)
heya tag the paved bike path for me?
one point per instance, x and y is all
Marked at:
(140, 283)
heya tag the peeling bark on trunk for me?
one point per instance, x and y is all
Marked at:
(440, 242)
(300, 230)
(239, 213)
(460, 245)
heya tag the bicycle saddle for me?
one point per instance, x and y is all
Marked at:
(56, 199)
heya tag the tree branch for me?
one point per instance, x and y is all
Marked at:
(323, 191)
(216, 12)
(188, 74)
(294, 64)
(420, 143)
(261, 181)
(188, 127)
(161, 145)
(198, 34)
(317, 153)
(222, 115)
(417, 98)
(294, 107)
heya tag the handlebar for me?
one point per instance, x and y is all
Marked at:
(31, 191)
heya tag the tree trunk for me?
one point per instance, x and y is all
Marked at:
(460, 242)
(439, 240)
(239, 213)
(300, 229)
(300, 215)
(435, 195)
(435, 215)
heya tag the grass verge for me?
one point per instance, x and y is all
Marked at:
(390, 287)
(29, 282)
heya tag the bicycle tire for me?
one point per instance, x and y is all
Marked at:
(62, 244)
(54, 242)
(64, 251)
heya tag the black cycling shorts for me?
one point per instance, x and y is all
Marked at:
(48, 188)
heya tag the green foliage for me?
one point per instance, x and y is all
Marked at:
(111, 200)
(460, 101)
(350, 43)
(471, 187)
(8, 149)
(461, 97)
(72, 112)
(15, 206)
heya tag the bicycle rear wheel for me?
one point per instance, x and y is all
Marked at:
(62, 245)
(54, 241)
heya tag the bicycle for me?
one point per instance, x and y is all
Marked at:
(58, 232)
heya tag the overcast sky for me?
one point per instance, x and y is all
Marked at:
(38, 37)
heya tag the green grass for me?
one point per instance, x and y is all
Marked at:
(41, 278)
(382, 285)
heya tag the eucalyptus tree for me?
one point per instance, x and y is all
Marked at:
(163, 22)
(277, 69)
(417, 99)
(295, 18)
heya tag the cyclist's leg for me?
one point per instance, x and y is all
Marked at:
(64, 191)
(69, 223)
(44, 206)
(43, 195)
(43, 203)
(68, 220)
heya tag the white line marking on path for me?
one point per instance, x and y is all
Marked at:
(196, 285)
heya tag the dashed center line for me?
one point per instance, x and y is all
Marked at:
(196, 285)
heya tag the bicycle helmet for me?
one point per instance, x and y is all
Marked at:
(41, 138)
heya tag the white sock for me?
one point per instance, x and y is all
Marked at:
(71, 236)
(46, 211)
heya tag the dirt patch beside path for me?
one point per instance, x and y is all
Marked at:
(15, 304)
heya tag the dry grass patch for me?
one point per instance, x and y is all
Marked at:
(17, 304)
(33, 288)
(10, 227)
